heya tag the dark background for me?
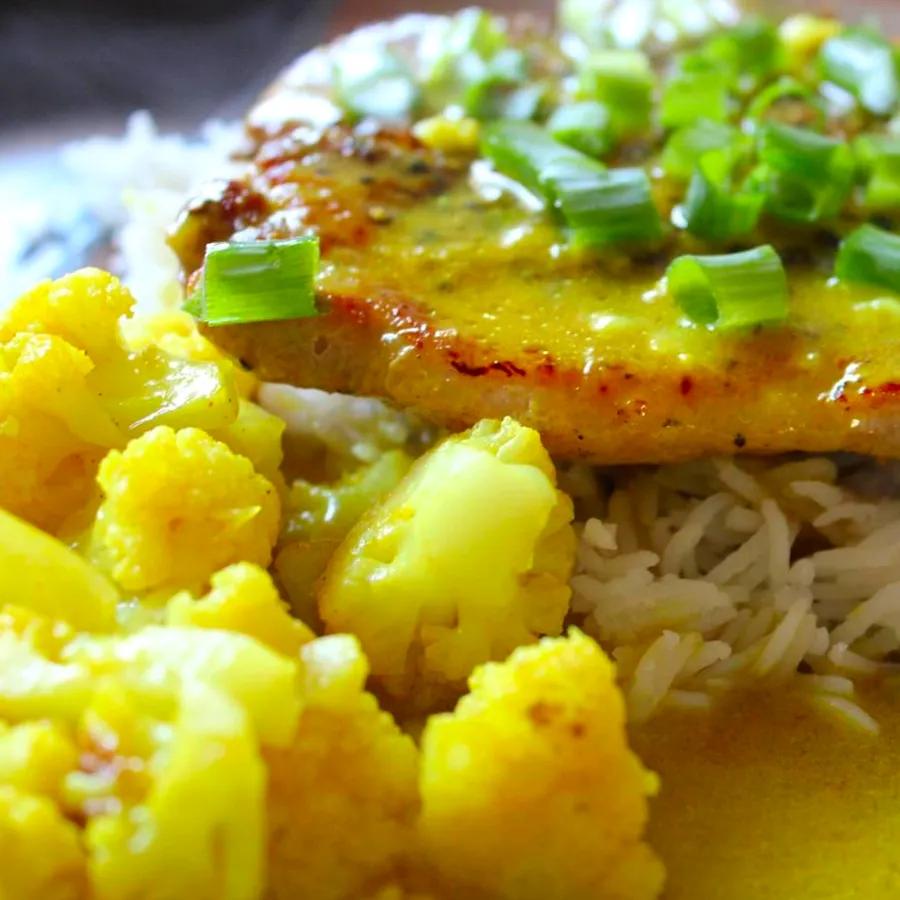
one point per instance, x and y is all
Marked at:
(185, 61)
(189, 60)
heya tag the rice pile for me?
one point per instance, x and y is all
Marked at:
(699, 578)
(709, 576)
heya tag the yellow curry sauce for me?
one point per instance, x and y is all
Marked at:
(764, 797)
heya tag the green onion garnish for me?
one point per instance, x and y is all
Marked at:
(752, 48)
(489, 84)
(624, 82)
(735, 290)
(528, 154)
(713, 208)
(870, 255)
(805, 176)
(377, 85)
(685, 146)
(585, 126)
(262, 281)
(690, 96)
(862, 63)
(599, 206)
(878, 157)
(784, 88)
(610, 207)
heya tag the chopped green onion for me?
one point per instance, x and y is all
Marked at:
(528, 154)
(782, 89)
(878, 156)
(735, 290)
(690, 96)
(584, 126)
(377, 85)
(713, 208)
(599, 206)
(624, 82)
(261, 281)
(870, 255)
(752, 47)
(486, 83)
(609, 207)
(805, 176)
(685, 146)
(862, 63)
(474, 30)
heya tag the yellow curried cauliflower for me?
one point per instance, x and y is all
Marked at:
(343, 797)
(177, 507)
(317, 518)
(83, 309)
(242, 599)
(35, 757)
(529, 790)
(53, 430)
(40, 573)
(199, 831)
(467, 559)
(40, 852)
(70, 389)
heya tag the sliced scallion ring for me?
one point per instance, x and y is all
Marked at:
(870, 255)
(735, 290)
(261, 281)
(713, 208)
(690, 96)
(686, 146)
(862, 62)
(624, 82)
(377, 85)
(805, 176)
(609, 207)
(585, 126)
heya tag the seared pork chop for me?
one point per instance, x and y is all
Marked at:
(444, 293)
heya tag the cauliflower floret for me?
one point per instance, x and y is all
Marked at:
(319, 516)
(342, 798)
(176, 333)
(42, 574)
(40, 852)
(467, 559)
(529, 789)
(199, 832)
(53, 430)
(242, 599)
(257, 435)
(177, 507)
(70, 390)
(83, 309)
(35, 757)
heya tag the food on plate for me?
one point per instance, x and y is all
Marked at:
(474, 266)
(566, 620)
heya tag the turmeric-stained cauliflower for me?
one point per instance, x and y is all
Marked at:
(40, 852)
(53, 430)
(467, 559)
(70, 389)
(529, 790)
(343, 796)
(41, 574)
(197, 829)
(319, 516)
(178, 506)
(242, 599)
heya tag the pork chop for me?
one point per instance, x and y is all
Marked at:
(442, 292)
